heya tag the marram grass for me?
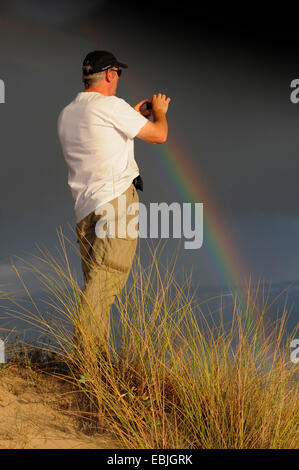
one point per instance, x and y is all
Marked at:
(174, 374)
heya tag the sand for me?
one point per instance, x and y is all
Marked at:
(37, 412)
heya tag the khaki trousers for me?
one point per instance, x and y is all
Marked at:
(106, 264)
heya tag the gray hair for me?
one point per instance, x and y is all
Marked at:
(89, 80)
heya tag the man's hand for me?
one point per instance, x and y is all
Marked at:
(145, 112)
(155, 132)
(160, 103)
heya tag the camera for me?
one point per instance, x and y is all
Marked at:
(148, 105)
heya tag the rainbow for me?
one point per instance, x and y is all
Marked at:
(218, 245)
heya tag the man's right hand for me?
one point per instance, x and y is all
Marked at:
(160, 103)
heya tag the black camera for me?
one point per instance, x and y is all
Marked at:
(148, 105)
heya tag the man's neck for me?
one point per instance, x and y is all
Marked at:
(98, 90)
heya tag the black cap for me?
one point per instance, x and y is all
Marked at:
(98, 61)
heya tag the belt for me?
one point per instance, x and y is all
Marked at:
(138, 183)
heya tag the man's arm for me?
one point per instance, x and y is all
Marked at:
(155, 132)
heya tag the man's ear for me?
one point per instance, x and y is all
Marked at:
(109, 75)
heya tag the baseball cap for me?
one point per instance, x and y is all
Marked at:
(98, 61)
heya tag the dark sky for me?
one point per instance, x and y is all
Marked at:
(228, 73)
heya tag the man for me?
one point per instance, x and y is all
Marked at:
(96, 132)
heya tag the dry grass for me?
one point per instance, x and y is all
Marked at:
(177, 377)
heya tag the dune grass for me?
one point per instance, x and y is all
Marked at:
(174, 375)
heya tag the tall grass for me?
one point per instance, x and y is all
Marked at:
(174, 375)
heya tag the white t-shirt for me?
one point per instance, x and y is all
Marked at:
(96, 133)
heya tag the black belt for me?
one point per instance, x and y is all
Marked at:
(138, 183)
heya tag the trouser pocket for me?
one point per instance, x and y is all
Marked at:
(117, 252)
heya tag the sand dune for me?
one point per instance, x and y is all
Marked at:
(36, 412)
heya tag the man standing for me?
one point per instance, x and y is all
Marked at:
(96, 132)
